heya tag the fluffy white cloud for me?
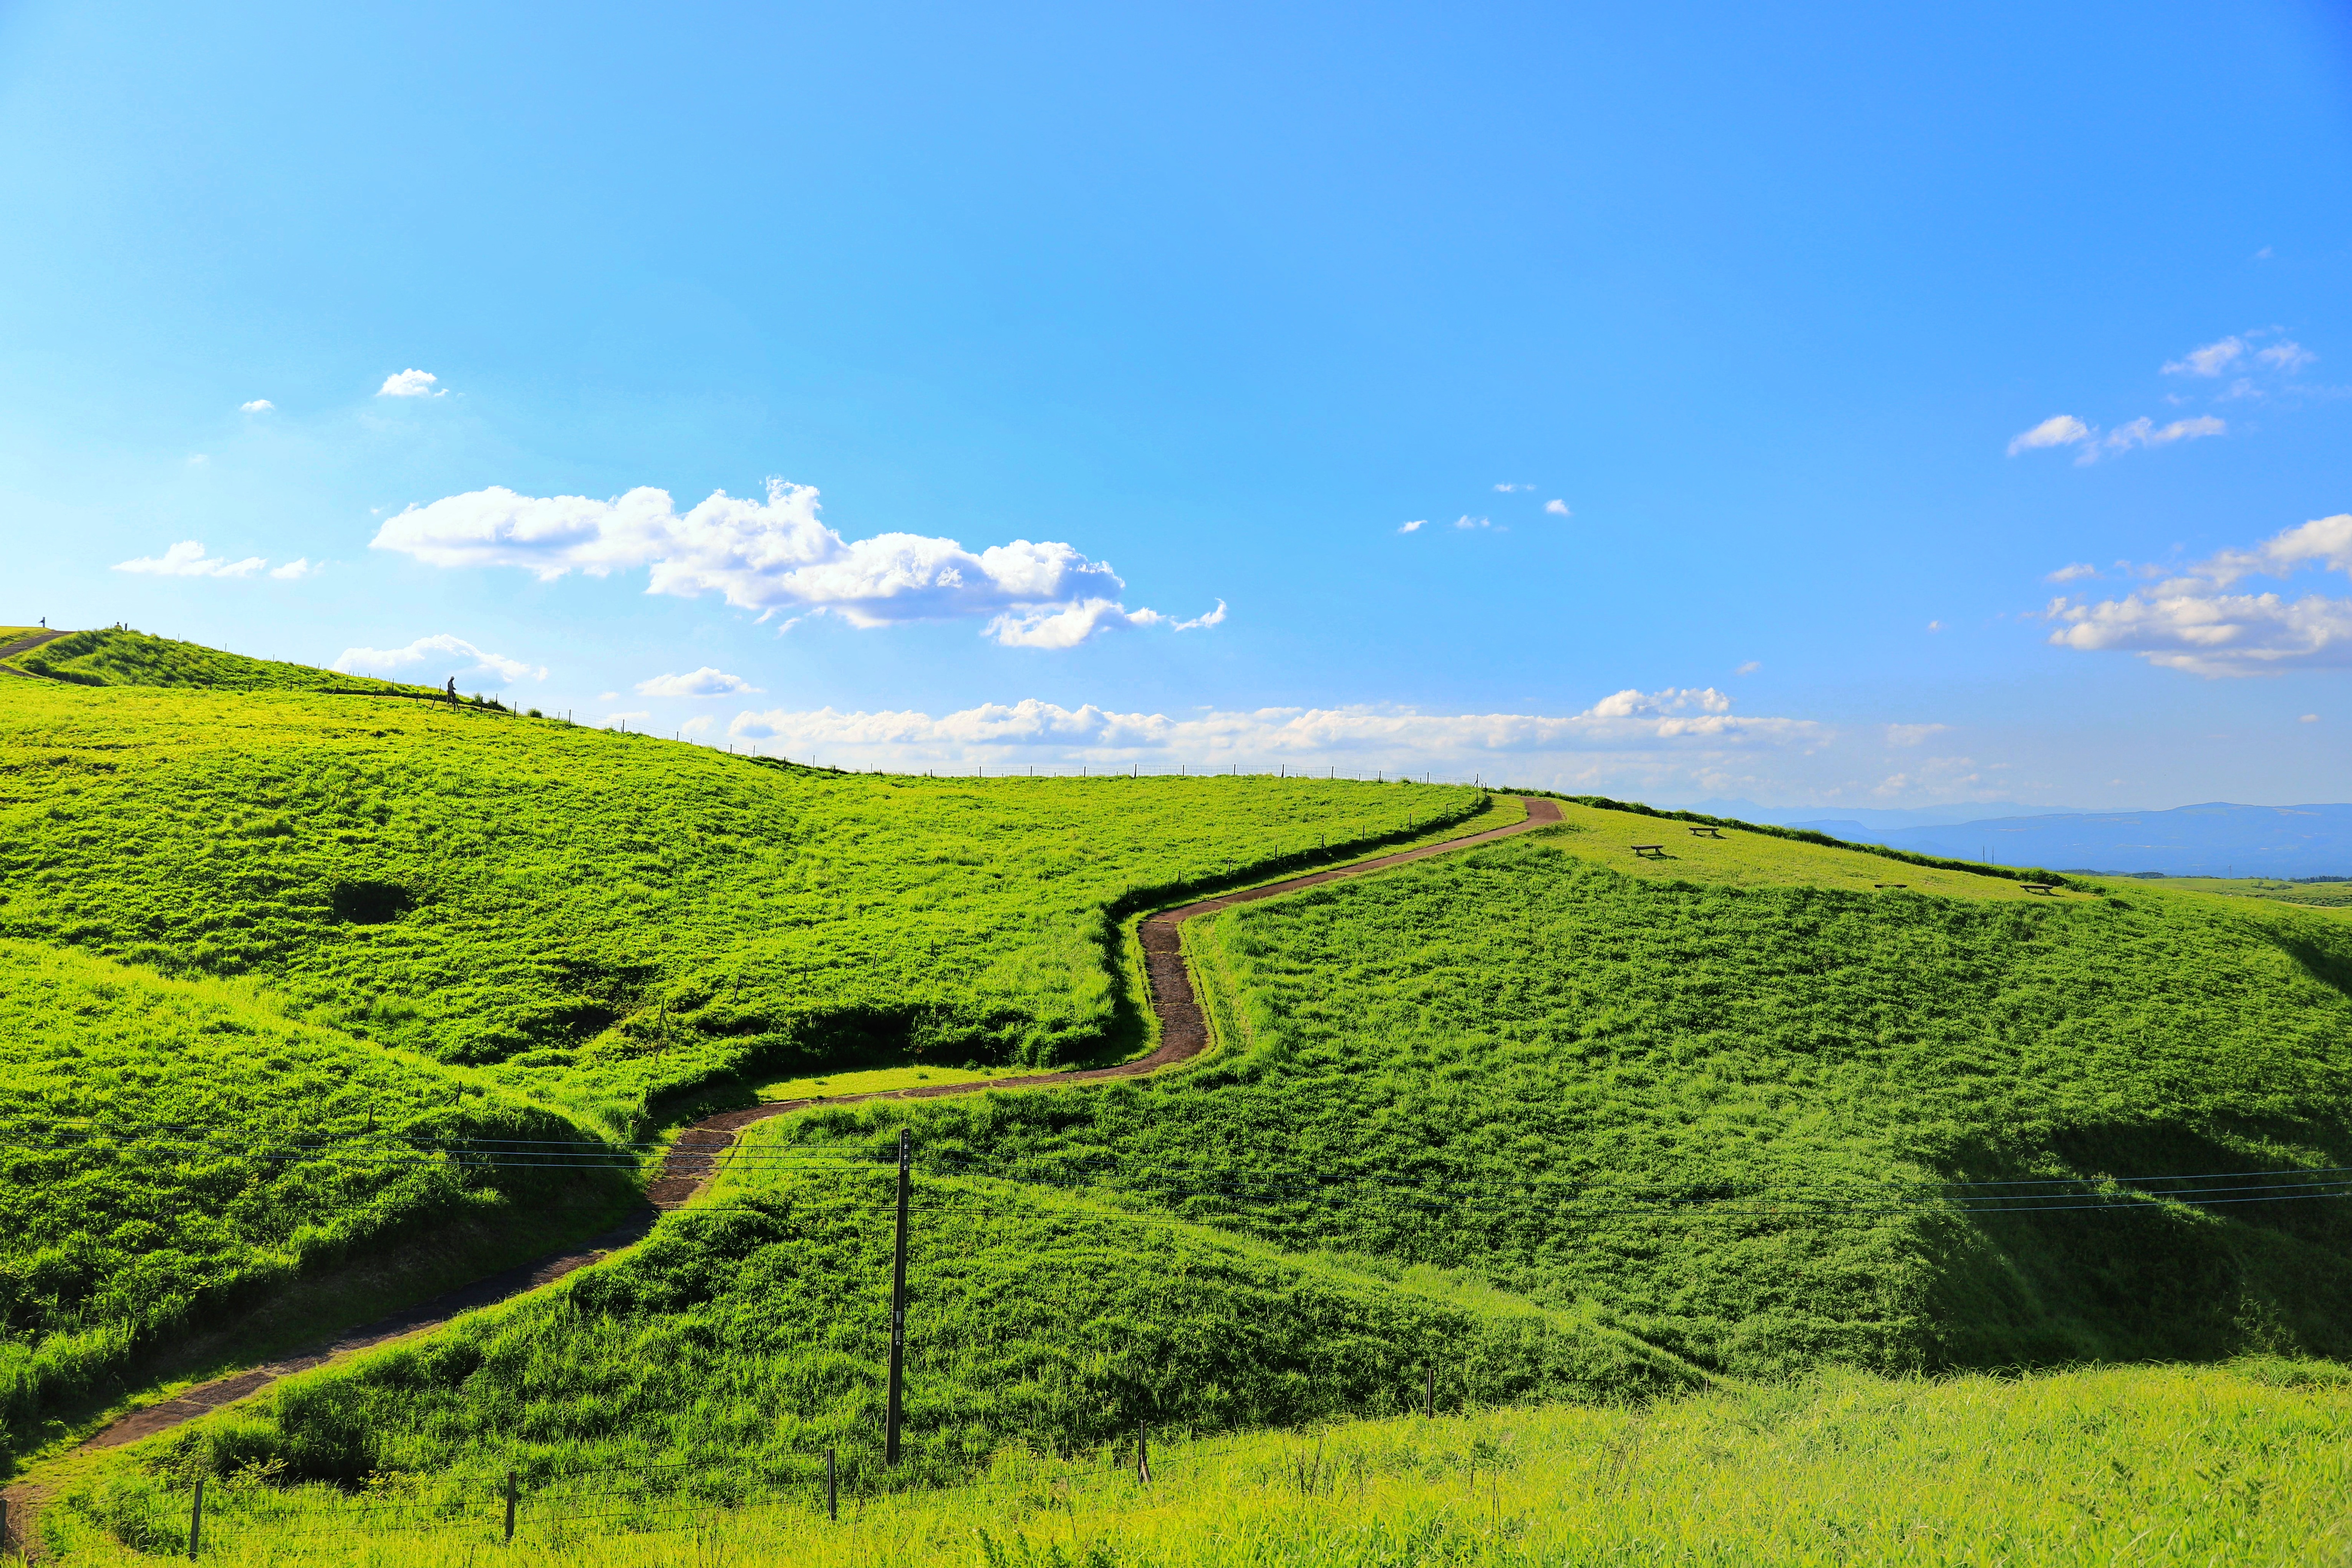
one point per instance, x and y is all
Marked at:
(2286, 357)
(2324, 541)
(1415, 526)
(410, 384)
(775, 554)
(187, 559)
(1912, 734)
(1625, 719)
(1558, 509)
(698, 725)
(1676, 743)
(2065, 430)
(2187, 622)
(294, 571)
(2069, 573)
(2210, 360)
(1507, 489)
(259, 405)
(1467, 522)
(2058, 430)
(2145, 432)
(703, 682)
(449, 656)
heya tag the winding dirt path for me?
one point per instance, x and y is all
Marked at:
(694, 1159)
(25, 645)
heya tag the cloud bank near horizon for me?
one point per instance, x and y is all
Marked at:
(2190, 622)
(1677, 743)
(777, 556)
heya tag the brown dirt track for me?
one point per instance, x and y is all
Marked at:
(694, 1158)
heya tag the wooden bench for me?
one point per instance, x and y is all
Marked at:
(1890, 884)
(2046, 889)
(1707, 832)
(1651, 851)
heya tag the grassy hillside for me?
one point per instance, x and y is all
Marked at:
(170, 1148)
(2333, 895)
(600, 916)
(1726, 1114)
(744, 1339)
(117, 657)
(2244, 1465)
(1512, 1114)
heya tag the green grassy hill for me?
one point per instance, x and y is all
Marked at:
(173, 1148)
(1549, 1086)
(604, 917)
(1730, 1114)
(1556, 1119)
(119, 656)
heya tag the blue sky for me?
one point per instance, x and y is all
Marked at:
(1057, 330)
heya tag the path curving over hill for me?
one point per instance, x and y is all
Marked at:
(23, 645)
(694, 1157)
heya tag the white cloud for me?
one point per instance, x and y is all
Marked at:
(1507, 489)
(2286, 357)
(2188, 622)
(1417, 524)
(1626, 721)
(2308, 719)
(1198, 623)
(448, 656)
(2210, 360)
(1558, 509)
(1468, 522)
(187, 559)
(411, 384)
(294, 571)
(1750, 668)
(2068, 574)
(1662, 746)
(2324, 541)
(1935, 625)
(1912, 734)
(703, 682)
(632, 715)
(259, 405)
(774, 555)
(2145, 432)
(2058, 430)
(2065, 430)
(698, 725)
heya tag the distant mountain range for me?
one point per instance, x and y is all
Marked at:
(2218, 839)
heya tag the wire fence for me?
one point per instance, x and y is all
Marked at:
(542, 1505)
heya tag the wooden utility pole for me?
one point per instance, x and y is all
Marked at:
(898, 1305)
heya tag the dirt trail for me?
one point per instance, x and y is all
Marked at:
(694, 1158)
(25, 645)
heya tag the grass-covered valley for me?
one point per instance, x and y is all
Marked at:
(1611, 1116)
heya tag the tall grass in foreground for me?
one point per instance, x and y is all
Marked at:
(2244, 1464)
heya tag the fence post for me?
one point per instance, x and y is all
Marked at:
(1429, 1393)
(898, 1304)
(832, 1484)
(510, 1507)
(1143, 1453)
(196, 1519)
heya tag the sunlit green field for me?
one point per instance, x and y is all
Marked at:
(2244, 1465)
(1745, 858)
(2314, 895)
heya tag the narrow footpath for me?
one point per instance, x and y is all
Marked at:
(694, 1158)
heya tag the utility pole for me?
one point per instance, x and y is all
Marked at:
(898, 1305)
